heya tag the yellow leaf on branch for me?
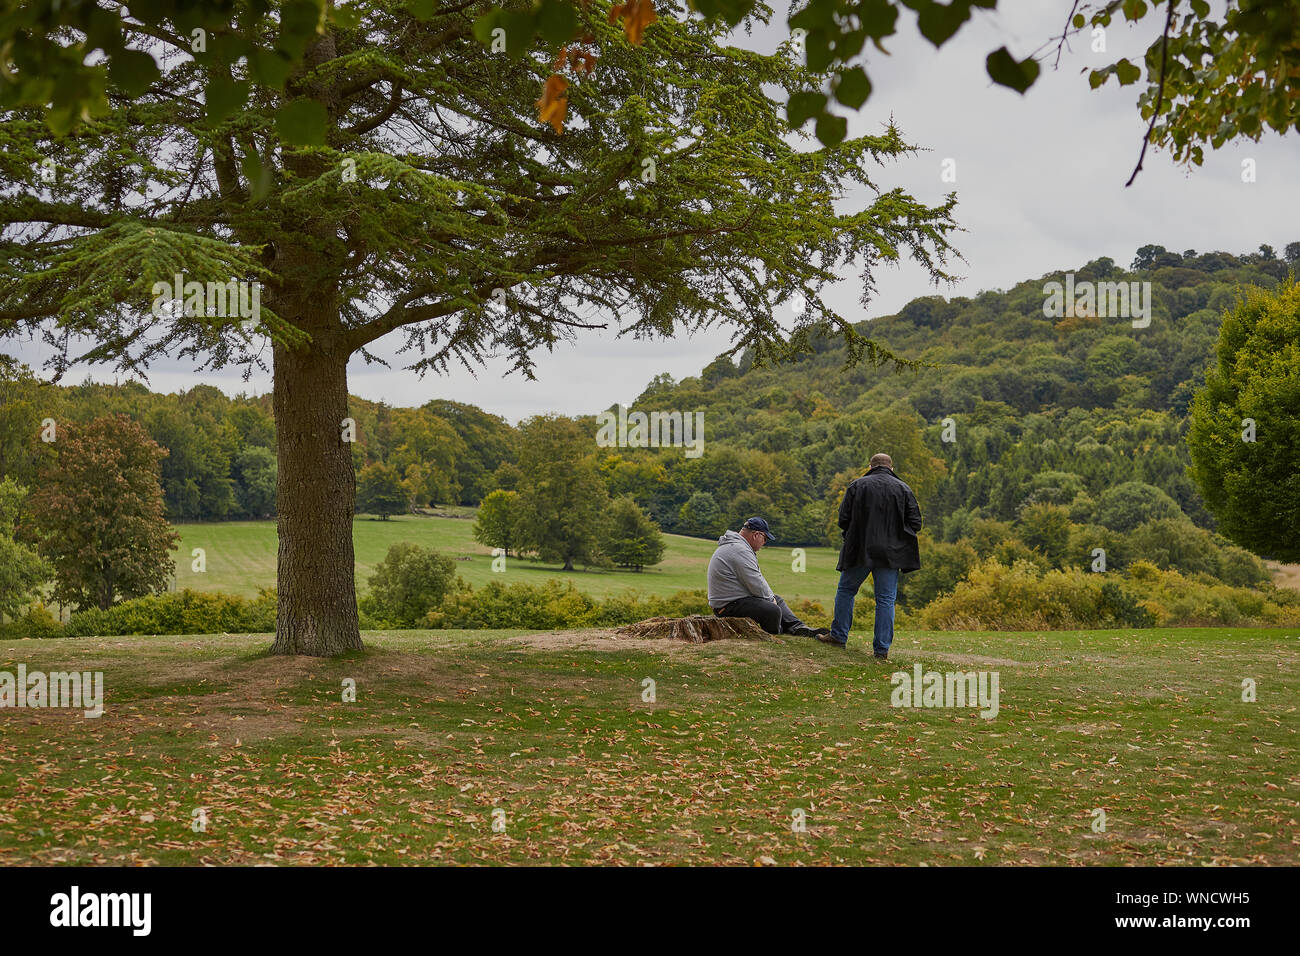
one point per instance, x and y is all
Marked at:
(636, 14)
(553, 103)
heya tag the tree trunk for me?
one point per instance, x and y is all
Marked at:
(316, 610)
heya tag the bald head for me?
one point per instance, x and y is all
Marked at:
(881, 460)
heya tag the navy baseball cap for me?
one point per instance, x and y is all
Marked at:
(758, 524)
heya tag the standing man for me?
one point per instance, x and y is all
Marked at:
(737, 587)
(880, 518)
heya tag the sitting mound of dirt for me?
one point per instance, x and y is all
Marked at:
(698, 629)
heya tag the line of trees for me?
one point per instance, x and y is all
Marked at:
(221, 451)
(561, 509)
(1138, 469)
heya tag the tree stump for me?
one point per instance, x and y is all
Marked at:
(697, 629)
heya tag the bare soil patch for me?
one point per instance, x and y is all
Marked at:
(1285, 575)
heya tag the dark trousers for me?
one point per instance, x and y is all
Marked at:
(775, 617)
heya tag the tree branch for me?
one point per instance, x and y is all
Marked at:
(1160, 91)
(380, 118)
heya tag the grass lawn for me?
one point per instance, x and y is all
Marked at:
(240, 558)
(450, 726)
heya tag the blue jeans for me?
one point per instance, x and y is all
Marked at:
(885, 583)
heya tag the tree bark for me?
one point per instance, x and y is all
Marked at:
(316, 609)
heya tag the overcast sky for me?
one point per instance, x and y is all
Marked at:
(1040, 186)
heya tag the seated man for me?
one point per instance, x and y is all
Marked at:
(737, 587)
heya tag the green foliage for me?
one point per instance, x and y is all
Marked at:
(426, 456)
(487, 442)
(1046, 528)
(943, 566)
(196, 472)
(1119, 604)
(254, 468)
(1174, 598)
(634, 540)
(1249, 46)
(1220, 74)
(97, 514)
(555, 605)
(36, 621)
(700, 516)
(57, 72)
(1056, 488)
(494, 525)
(380, 491)
(407, 584)
(24, 403)
(1132, 503)
(1022, 597)
(22, 570)
(1175, 543)
(178, 612)
(1244, 435)
(562, 500)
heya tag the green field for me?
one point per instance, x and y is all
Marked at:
(240, 559)
(552, 732)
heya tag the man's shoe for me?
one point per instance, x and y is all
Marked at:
(828, 639)
(882, 657)
(803, 630)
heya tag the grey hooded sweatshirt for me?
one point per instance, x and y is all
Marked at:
(734, 573)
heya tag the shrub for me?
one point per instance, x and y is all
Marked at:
(555, 605)
(178, 612)
(1178, 544)
(943, 565)
(1023, 597)
(35, 622)
(407, 584)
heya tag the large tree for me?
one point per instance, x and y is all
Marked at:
(634, 540)
(433, 203)
(562, 503)
(494, 525)
(97, 514)
(380, 491)
(1244, 434)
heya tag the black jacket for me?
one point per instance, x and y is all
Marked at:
(880, 518)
